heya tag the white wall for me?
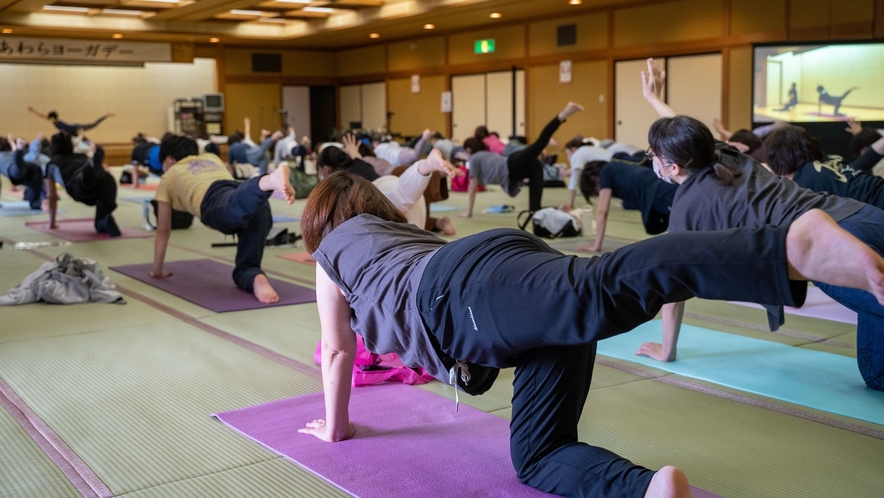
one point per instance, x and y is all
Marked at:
(139, 96)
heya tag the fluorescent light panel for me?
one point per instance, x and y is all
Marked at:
(324, 10)
(62, 8)
(121, 12)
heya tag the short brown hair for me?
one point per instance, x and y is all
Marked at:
(338, 198)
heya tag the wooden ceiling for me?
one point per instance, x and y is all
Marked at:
(315, 24)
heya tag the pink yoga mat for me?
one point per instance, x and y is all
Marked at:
(817, 305)
(409, 443)
(83, 230)
(208, 283)
(299, 257)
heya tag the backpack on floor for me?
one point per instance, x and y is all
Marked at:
(180, 219)
(550, 223)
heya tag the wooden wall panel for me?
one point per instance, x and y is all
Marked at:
(739, 97)
(678, 21)
(295, 63)
(367, 60)
(257, 101)
(758, 16)
(423, 53)
(413, 112)
(546, 97)
(509, 44)
(809, 14)
(592, 34)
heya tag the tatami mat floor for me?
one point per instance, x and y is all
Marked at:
(125, 392)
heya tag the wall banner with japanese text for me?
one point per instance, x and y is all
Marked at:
(16, 49)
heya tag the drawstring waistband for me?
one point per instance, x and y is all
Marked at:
(462, 368)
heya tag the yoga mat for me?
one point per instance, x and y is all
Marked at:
(439, 208)
(299, 257)
(579, 244)
(408, 443)
(19, 208)
(208, 283)
(815, 379)
(284, 219)
(817, 305)
(142, 186)
(83, 230)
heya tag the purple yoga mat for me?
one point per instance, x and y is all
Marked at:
(817, 305)
(408, 443)
(208, 283)
(82, 230)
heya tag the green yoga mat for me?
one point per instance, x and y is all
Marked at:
(815, 379)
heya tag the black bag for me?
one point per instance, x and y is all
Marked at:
(180, 219)
(569, 228)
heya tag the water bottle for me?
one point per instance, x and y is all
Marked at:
(145, 212)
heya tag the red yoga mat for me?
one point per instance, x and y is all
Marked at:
(83, 230)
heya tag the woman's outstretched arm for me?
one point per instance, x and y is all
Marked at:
(338, 353)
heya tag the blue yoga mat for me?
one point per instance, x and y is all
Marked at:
(815, 379)
(19, 208)
(441, 208)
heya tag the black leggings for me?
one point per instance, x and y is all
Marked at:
(30, 175)
(524, 164)
(504, 298)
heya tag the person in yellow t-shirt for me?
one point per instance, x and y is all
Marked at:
(202, 185)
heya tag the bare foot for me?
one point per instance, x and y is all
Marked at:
(669, 482)
(278, 180)
(818, 249)
(444, 224)
(569, 110)
(263, 290)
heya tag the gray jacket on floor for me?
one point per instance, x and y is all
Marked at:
(68, 280)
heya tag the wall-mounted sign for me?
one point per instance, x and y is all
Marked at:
(446, 101)
(415, 83)
(82, 51)
(484, 46)
(565, 72)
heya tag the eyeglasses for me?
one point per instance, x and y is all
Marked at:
(650, 154)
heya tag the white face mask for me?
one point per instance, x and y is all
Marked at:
(657, 167)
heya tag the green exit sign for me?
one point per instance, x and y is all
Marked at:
(484, 46)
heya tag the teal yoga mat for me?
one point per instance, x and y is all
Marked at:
(815, 379)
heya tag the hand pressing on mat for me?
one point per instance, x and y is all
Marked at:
(319, 429)
(655, 351)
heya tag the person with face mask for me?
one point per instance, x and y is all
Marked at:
(636, 185)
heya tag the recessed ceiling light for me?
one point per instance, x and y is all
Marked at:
(429, 26)
(246, 12)
(63, 8)
(214, 40)
(121, 12)
(324, 10)
(6, 31)
(575, 2)
(374, 35)
(495, 15)
(117, 36)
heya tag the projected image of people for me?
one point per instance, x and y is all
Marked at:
(808, 83)
(827, 98)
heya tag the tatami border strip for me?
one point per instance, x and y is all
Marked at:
(239, 341)
(814, 339)
(75, 469)
(746, 400)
